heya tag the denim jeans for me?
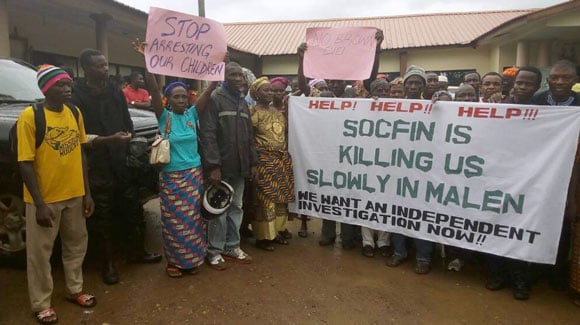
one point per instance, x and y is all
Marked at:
(424, 249)
(223, 232)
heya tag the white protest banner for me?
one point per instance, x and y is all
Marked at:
(185, 46)
(486, 177)
(342, 53)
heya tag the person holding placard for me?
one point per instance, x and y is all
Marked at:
(314, 88)
(181, 181)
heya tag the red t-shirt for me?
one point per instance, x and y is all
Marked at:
(139, 95)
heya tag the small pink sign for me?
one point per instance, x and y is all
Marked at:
(345, 53)
(185, 46)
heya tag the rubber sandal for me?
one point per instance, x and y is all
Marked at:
(280, 240)
(192, 271)
(285, 234)
(46, 316)
(173, 271)
(84, 300)
(265, 245)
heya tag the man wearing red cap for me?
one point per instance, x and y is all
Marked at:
(54, 206)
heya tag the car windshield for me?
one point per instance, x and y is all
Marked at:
(18, 83)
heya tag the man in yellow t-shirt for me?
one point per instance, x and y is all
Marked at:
(56, 192)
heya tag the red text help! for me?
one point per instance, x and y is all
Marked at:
(496, 113)
(331, 105)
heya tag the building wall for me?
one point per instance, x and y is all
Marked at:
(63, 39)
(430, 59)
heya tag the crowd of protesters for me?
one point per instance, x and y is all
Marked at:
(218, 136)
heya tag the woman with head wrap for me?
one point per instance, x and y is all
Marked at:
(275, 184)
(180, 181)
(279, 85)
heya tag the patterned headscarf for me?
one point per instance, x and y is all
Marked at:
(280, 80)
(256, 85)
(315, 82)
(48, 75)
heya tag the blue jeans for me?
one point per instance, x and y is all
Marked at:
(223, 232)
(424, 249)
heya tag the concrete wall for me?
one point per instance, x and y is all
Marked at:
(430, 59)
(55, 37)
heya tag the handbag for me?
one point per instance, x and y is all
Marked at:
(160, 149)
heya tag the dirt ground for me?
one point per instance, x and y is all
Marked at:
(302, 283)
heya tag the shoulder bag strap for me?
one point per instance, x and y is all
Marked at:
(168, 124)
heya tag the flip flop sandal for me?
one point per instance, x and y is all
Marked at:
(265, 245)
(280, 240)
(192, 271)
(173, 272)
(285, 233)
(46, 316)
(303, 233)
(84, 300)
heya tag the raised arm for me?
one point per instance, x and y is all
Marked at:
(301, 78)
(379, 36)
(203, 99)
(155, 92)
(152, 86)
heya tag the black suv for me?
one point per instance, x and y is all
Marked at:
(18, 90)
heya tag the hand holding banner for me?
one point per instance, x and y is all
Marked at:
(345, 53)
(185, 46)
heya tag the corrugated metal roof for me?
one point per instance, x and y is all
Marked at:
(401, 32)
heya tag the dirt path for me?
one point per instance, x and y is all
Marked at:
(297, 284)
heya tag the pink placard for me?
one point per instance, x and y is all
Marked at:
(185, 46)
(344, 53)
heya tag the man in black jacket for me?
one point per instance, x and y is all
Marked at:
(229, 154)
(109, 128)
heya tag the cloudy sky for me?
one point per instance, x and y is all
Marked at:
(267, 10)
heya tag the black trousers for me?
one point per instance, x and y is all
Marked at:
(118, 221)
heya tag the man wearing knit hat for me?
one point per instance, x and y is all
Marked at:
(414, 81)
(54, 206)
